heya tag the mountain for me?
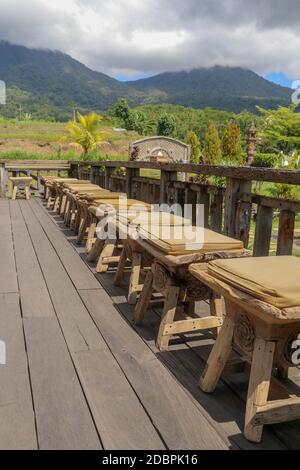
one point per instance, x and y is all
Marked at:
(228, 88)
(49, 83)
(55, 81)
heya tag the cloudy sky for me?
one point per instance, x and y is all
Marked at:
(133, 38)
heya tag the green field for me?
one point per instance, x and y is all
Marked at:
(39, 140)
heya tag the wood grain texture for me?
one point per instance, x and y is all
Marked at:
(34, 295)
(79, 273)
(62, 415)
(8, 273)
(17, 420)
(180, 424)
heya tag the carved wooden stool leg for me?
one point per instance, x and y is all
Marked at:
(49, 202)
(27, 192)
(56, 203)
(168, 315)
(77, 221)
(91, 238)
(63, 204)
(15, 192)
(96, 250)
(259, 385)
(144, 299)
(218, 357)
(216, 309)
(107, 252)
(121, 267)
(82, 230)
(134, 287)
(67, 211)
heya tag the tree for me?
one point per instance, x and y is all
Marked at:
(122, 110)
(192, 140)
(232, 144)
(166, 125)
(281, 129)
(212, 152)
(85, 133)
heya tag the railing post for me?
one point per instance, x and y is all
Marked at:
(166, 178)
(130, 174)
(73, 170)
(109, 170)
(286, 233)
(236, 214)
(263, 231)
(3, 180)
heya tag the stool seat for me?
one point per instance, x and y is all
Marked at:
(203, 241)
(22, 179)
(17, 181)
(274, 280)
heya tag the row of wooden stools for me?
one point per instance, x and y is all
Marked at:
(261, 319)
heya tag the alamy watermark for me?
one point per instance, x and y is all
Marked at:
(2, 353)
(296, 93)
(2, 92)
(168, 223)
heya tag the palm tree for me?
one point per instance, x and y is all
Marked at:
(84, 133)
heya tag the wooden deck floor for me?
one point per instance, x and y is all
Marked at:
(80, 376)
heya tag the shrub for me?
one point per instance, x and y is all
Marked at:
(265, 160)
(193, 141)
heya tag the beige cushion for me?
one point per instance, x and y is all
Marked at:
(74, 188)
(122, 203)
(203, 241)
(146, 220)
(275, 280)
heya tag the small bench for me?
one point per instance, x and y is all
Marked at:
(262, 321)
(21, 183)
(170, 277)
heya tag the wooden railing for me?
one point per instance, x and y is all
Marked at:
(230, 210)
(32, 168)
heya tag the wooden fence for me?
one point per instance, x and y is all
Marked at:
(229, 210)
(33, 168)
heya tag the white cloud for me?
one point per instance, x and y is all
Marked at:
(130, 37)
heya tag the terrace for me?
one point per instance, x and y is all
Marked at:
(79, 374)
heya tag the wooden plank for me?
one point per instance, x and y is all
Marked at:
(241, 172)
(234, 189)
(118, 414)
(263, 231)
(17, 421)
(286, 233)
(81, 276)
(277, 411)
(180, 423)
(216, 212)
(34, 295)
(8, 273)
(81, 334)
(63, 419)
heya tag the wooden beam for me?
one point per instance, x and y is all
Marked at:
(263, 231)
(286, 233)
(189, 326)
(277, 411)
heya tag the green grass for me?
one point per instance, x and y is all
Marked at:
(21, 155)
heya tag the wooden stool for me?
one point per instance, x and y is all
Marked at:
(24, 181)
(266, 335)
